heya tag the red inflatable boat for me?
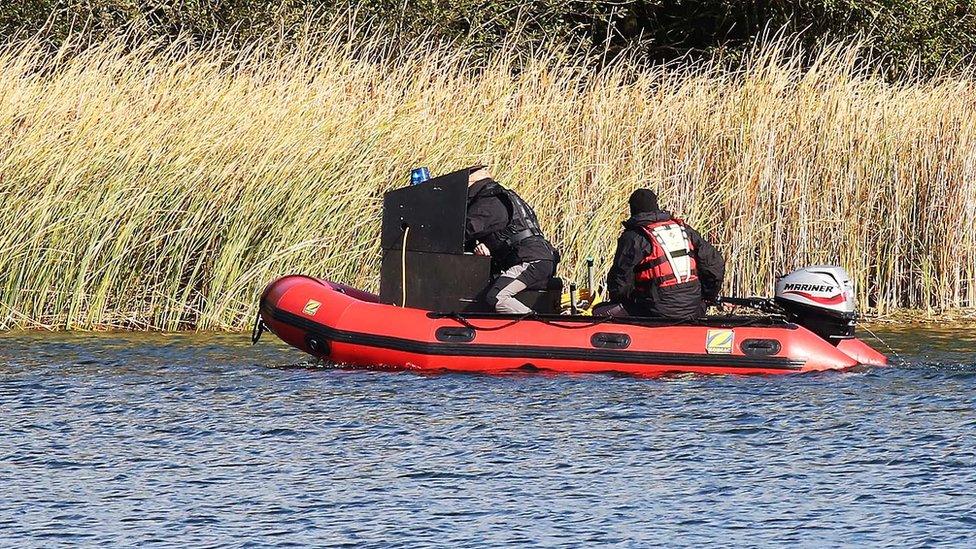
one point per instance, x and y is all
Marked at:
(352, 328)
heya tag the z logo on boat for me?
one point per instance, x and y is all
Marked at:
(311, 307)
(719, 342)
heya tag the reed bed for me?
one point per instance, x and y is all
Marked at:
(162, 187)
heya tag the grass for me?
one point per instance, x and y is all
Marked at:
(162, 187)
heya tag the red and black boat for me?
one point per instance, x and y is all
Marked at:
(428, 315)
(351, 327)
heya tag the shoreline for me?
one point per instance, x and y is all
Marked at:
(957, 318)
(966, 316)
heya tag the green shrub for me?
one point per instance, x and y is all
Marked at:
(904, 33)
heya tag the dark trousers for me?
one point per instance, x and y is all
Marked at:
(617, 309)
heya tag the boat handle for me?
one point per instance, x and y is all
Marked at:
(610, 340)
(452, 334)
(761, 347)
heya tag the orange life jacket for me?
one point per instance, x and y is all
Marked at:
(672, 258)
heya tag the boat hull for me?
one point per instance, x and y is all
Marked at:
(350, 327)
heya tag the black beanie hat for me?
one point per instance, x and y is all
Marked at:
(642, 200)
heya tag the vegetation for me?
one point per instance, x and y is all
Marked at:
(906, 35)
(162, 187)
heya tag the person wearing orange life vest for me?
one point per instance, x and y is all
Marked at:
(662, 267)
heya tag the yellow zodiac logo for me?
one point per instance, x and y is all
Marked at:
(311, 307)
(719, 342)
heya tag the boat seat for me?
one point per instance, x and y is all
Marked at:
(543, 301)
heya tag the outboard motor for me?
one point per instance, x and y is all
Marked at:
(821, 299)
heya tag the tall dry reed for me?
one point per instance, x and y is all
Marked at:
(162, 188)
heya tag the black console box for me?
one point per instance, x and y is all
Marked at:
(430, 219)
(434, 210)
(452, 283)
(436, 282)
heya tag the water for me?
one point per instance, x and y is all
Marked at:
(194, 440)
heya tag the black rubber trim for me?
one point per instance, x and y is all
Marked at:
(610, 340)
(531, 351)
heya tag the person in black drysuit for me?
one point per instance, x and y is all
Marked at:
(500, 224)
(642, 280)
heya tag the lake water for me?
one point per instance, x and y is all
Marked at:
(203, 440)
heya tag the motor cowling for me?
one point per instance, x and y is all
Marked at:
(819, 298)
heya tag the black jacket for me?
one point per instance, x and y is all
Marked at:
(679, 301)
(488, 214)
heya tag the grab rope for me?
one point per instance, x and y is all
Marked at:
(876, 336)
(579, 325)
(258, 329)
(556, 323)
(464, 322)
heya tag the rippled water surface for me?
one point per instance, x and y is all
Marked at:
(201, 440)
